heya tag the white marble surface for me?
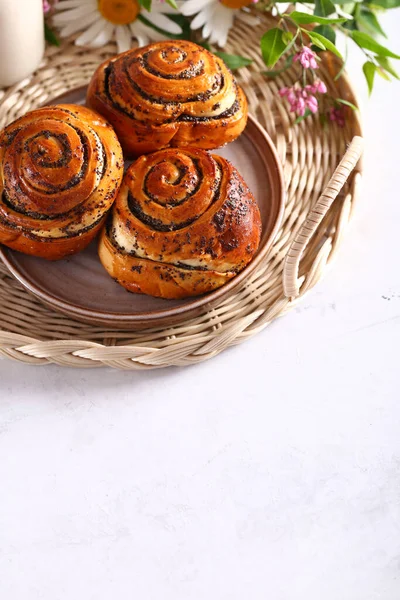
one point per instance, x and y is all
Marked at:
(272, 471)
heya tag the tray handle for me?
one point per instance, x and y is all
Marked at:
(291, 282)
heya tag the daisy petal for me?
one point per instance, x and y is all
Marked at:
(191, 7)
(201, 18)
(222, 22)
(67, 16)
(104, 36)
(91, 33)
(139, 33)
(163, 7)
(150, 33)
(79, 24)
(64, 4)
(163, 22)
(123, 37)
(207, 30)
(223, 35)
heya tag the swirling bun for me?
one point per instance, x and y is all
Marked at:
(184, 223)
(60, 171)
(172, 93)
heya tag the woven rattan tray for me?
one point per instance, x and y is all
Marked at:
(320, 201)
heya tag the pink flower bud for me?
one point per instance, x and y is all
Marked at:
(337, 115)
(307, 58)
(301, 107)
(313, 63)
(320, 87)
(301, 98)
(312, 104)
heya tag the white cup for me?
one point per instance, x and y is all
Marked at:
(21, 39)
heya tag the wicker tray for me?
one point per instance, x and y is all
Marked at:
(320, 202)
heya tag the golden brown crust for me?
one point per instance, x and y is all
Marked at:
(172, 93)
(183, 224)
(60, 171)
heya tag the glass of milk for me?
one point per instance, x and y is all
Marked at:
(21, 39)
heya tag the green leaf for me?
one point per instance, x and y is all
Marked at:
(318, 43)
(172, 3)
(306, 114)
(347, 103)
(366, 41)
(272, 46)
(369, 70)
(50, 36)
(324, 8)
(350, 25)
(234, 61)
(302, 19)
(349, 7)
(146, 4)
(367, 22)
(387, 3)
(387, 66)
(287, 37)
(382, 73)
(288, 64)
(322, 42)
(327, 31)
(292, 42)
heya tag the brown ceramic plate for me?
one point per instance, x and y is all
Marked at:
(81, 288)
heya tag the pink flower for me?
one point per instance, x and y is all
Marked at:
(317, 86)
(307, 58)
(46, 7)
(300, 99)
(312, 104)
(299, 107)
(337, 115)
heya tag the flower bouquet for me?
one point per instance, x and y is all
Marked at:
(301, 32)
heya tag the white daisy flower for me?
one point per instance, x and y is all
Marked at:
(102, 20)
(282, 7)
(214, 16)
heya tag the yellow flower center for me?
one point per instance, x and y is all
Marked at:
(119, 12)
(236, 3)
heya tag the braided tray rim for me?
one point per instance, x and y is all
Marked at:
(310, 153)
